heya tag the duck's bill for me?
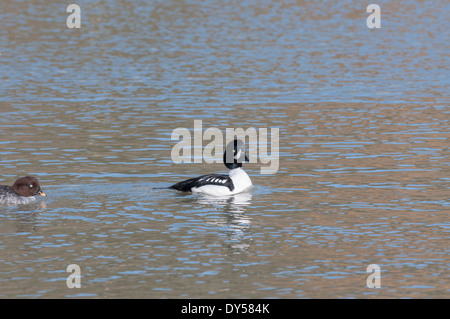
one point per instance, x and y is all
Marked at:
(41, 193)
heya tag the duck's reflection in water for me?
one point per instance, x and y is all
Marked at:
(22, 218)
(232, 218)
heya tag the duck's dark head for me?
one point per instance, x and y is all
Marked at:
(27, 186)
(234, 154)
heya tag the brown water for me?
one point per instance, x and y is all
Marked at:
(364, 159)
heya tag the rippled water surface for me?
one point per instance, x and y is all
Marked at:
(363, 174)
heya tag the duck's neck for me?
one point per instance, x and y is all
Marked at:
(240, 178)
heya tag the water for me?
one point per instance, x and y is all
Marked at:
(364, 125)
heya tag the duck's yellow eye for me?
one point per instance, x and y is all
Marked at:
(31, 186)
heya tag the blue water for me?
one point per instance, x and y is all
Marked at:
(363, 116)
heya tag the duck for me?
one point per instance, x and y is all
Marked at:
(235, 182)
(22, 192)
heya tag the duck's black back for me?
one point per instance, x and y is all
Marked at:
(213, 179)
